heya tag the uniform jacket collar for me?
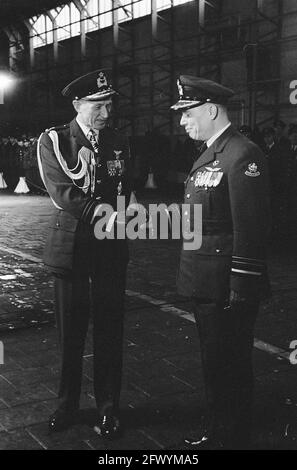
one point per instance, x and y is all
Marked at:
(76, 133)
(211, 153)
(78, 136)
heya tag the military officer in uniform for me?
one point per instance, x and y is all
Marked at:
(227, 276)
(83, 165)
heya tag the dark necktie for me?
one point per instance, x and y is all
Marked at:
(202, 149)
(93, 140)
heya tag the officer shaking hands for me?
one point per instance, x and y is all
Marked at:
(85, 164)
(227, 276)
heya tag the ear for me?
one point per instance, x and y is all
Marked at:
(213, 111)
(76, 105)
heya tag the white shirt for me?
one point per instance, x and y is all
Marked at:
(86, 129)
(214, 137)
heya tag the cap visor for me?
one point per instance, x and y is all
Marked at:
(99, 96)
(184, 104)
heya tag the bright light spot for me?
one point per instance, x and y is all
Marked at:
(5, 81)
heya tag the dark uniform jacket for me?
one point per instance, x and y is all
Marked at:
(4, 151)
(230, 181)
(75, 199)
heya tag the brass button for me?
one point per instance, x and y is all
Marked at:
(188, 196)
(57, 224)
(99, 181)
(218, 250)
(192, 178)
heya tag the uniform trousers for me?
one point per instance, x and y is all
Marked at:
(96, 284)
(226, 342)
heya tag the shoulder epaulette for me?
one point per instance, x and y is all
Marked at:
(57, 128)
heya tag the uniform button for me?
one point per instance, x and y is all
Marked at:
(99, 181)
(57, 224)
(188, 196)
(192, 178)
(218, 250)
(186, 213)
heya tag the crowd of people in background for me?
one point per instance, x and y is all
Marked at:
(18, 159)
(279, 144)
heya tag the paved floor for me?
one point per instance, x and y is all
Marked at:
(163, 395)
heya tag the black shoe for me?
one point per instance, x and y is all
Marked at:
(109, 427)
(60, 420)
(204, 441)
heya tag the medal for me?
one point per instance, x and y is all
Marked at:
(208, 179)
(116, 167)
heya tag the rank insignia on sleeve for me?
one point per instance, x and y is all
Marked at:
(252, 170)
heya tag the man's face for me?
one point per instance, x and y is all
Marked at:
(93, 114)
(197, 122)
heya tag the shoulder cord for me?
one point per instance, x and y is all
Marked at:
(41, 171)
(74, 176)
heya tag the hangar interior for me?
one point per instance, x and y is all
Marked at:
(249, 46)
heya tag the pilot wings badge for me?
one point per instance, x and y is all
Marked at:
(118, 153)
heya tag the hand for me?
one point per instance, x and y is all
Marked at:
(235, 298)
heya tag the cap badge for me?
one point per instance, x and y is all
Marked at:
(101, 81)
(252, 170)
(180, 88)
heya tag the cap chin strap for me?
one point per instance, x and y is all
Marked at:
(200, 103)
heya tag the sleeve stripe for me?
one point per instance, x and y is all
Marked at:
(241, 259)
(242, 271)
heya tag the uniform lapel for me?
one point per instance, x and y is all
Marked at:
(78, 138)
(211, 153)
